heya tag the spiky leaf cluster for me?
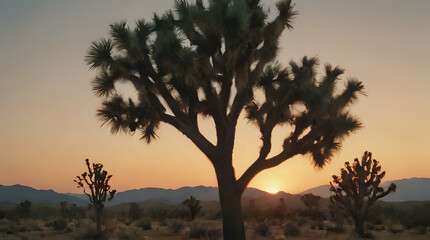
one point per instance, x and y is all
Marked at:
(313, 107)
(357, 187)
(97, 180)
(179, 57)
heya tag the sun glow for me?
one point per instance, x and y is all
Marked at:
(272, 190)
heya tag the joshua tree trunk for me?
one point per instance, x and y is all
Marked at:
(359, 225)
(230, 195)
(99, 213)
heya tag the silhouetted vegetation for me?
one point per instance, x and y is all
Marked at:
(134, 212)
(193, 206)
(313, 209)
(23, 209)
(291, 230)
(97, 181)
(144, 223)
(358, 189)
(262, 228)
(58, 225)
(210, 59)
(406, 219)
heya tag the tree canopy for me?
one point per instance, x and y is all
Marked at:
(214, 59)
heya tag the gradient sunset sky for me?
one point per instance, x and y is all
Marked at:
(48, 124)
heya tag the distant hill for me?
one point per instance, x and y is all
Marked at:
(176, 196)
(413, 189)
(18, 193)
(408, 189)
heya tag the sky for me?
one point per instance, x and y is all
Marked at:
(48, 125)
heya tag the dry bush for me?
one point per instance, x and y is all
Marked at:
(204, 230)
(262, 229)
(6, 225)
(291, 230)
(87, 233)
(396, 228)
(175, 225)
(144, 223)
(58, 225)
(421, 230)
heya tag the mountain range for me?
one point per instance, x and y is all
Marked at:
(413, 189)
(18, 193)
(409, 189)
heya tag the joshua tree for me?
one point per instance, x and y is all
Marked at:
(64, 212)
(193, 205)
(97, 181)
(210, 59)
(358, 189)
(311, 201)
(312, 204)
(24, 209)
(281, 209)
(134, 211)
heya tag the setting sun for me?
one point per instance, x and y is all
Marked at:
(272, 190)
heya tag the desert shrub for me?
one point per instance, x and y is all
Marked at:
(421, 215)
(370, 226)
(88, 233)
(202, 230)
(336, 229)
(262, 229)
(157, 213)
(6, 225)
(145, 224)
(122, 234)
(274, 222)
(378, 227)
(197, 230)
(57, 225)
(178, 212)
(321, 226)
(43, 212)
(420, 230)
(175, 225)
(291, 230)
(213, 234)
(302, 221)
(32, 226)
(396, 228)
(2, 214)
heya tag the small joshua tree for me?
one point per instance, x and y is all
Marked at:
(312, 204)
(24, 209)
(311, 201)
(97, 181)
(358, 189)
(193, 205)
(134, 211)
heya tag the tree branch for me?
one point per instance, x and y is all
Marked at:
(193, 134)
(260, 165)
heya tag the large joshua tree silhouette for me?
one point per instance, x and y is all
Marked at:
(211, 60)
(97, 180)
(358, 189)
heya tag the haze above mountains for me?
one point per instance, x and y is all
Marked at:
(413, 189)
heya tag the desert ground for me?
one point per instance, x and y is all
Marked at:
(197, 229)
